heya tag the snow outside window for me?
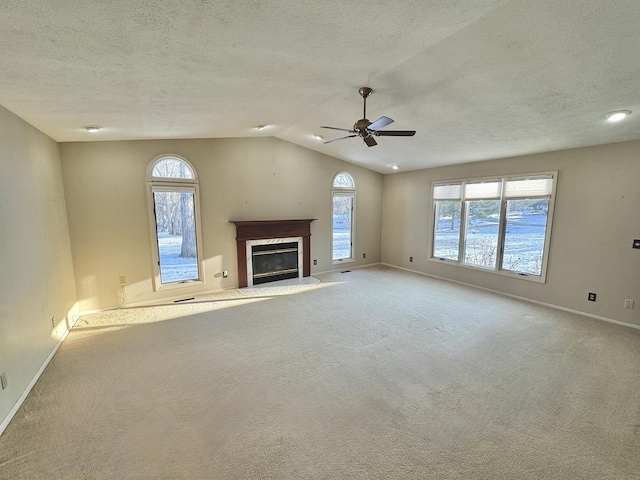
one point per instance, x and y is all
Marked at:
(497, 224)
(343, 196)
(175, 222)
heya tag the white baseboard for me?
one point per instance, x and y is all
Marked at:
(20, 401)
(550, 305)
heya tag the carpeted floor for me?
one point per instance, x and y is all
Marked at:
(372, 374)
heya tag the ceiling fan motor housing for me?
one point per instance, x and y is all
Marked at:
(361, 126)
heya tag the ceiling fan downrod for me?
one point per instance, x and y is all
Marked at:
(365, 92)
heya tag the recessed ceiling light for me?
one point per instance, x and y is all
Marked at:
(617, 115)
(395, 167)
(261, 127)
(92, 128)
(318, 137)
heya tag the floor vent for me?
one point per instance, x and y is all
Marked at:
(184, 300)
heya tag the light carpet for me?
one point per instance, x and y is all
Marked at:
(280, 287)
(372, 374)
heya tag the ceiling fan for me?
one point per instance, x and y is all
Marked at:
(366, 130)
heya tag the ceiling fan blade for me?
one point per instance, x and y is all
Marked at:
(395, 133)
(370, 141)
(341, 138)
(380, 123)
(341, 129)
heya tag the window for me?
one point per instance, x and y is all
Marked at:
(482, 214)
(343, 196)
(496, 224)
(175, 222)
(446, 241)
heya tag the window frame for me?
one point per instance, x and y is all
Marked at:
(338, 191)
(179, 185)
(499, 267)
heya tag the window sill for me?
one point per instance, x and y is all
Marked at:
(344, 260)
(502, 273)
(178, 285)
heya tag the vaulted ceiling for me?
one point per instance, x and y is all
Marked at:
(477, 79)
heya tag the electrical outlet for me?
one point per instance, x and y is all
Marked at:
(225, 274)
(628, 304)
(3, 380)
(315, 262)
(364, 255)
(123, 281)
(411, 259)
(591, 297)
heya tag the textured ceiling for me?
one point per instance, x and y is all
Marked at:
(477, 79)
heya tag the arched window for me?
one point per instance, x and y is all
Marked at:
(343, 194)
(167, 168)
(344, 180)
(175, 221)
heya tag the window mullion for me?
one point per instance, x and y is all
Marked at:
(502, 225)
(434, 228)
(463, 231)
(463, 226)
(501, 230)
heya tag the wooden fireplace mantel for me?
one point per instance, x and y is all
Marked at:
(266, 229)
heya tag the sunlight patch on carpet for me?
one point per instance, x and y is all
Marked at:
(281, 287)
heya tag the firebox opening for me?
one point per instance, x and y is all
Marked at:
(273, 262)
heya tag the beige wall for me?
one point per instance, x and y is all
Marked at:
(240, 179)
(36, 280)
(597, 215)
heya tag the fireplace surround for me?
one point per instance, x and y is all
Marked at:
(256, 236)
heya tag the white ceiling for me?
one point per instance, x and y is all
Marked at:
(477, 79)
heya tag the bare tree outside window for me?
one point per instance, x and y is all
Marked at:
(342, 211)
(343, 195)
(481, 246)
(175, 221)
(188, 249)
(447, 229)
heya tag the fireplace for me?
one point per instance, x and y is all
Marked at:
(270, 250)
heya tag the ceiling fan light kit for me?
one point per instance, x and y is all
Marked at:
(366, 130)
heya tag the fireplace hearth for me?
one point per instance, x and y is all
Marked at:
(271, 250)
